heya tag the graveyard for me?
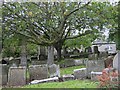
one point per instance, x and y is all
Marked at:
(60, 45)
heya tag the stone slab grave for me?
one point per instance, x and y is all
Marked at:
(54, 79)
(54, 70)
(3, 74)
(80, 73)
(94, 75)
(17, 76)
(78, 62)
(116, 61)
(68, 77)
(38, 72)
(95, 66)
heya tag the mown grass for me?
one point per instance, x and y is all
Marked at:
(66, 84)
(69, 70)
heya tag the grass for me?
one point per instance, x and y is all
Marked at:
(66, 84)
(69, 70)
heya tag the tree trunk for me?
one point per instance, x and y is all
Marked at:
(50, 59)
(23, 61)
(59, 55)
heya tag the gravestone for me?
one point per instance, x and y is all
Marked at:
(80, 73)
(68, 77)
(116, 61)
(69, 63)
(78, 62)
(38, 72)
(17, 76)
(54, 70)
(3, 74)
(92, 57)
(95, 66)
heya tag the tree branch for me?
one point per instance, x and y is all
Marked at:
(80, 35)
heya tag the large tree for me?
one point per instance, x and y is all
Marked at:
(51, 23)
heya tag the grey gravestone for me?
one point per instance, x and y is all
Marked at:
(3, 74)
(54, 70)
(38, 72)
(68, 77)
(92, 57)
(80, 73)
(116, 61)
(38, 62)
(69, 63)
(78, 62)
(17, 76)
(95, 66)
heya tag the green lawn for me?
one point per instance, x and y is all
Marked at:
(66, 84)
(69, 70)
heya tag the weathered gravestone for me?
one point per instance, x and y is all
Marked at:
(92, 57)
(54, 70)
(38, 72)
(3, 74)
(17, 76)
(69, 63)
(116, 61)
(95, 66)
(78, 62)
(80, 73)
(68, 77)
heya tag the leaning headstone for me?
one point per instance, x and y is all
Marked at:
(80, 73)
(38, 72)
(116, 61)
(94, 75)
(17, 76)
(95, 66)
(54, 70)
(68, 77)
(3, 74)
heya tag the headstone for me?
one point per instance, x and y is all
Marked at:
(54, 79)
(17, 76)
(92, 57)
(116, 61)
(68, 77)
(69, 63)
(80, 73)
(94, 75)
(54, 70)
(78, 62)
(3, 74)
(95, 66)
(38, 72)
